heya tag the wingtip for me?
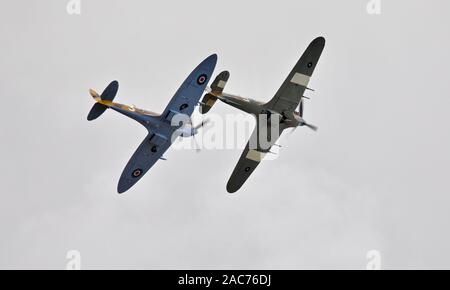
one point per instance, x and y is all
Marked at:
(122, 186)
(212, 57)
(225, 74)
(121, 190)
(320, 40)
(114, 85)
(231, 189)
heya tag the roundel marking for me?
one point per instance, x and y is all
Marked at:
(136, 173)
(201, 79)
(184, 106)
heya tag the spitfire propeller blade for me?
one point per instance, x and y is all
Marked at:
(201, 124)
(197, 146)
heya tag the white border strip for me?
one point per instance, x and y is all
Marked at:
(300, 79)
(255, 155)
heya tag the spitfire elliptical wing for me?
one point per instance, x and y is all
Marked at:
(142, 160)
(189, 93)
(159, 140)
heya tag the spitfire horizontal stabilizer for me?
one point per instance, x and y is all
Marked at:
(96, 111)
(110, 92)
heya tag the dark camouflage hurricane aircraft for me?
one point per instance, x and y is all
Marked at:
(161, 127)
(280, 112)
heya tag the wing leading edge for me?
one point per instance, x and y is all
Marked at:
(252, 156)
(142, 160)
(288, 96)
(189, 93)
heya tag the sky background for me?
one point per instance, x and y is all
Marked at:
(375, 175)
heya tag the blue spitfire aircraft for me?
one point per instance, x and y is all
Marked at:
(161, 127)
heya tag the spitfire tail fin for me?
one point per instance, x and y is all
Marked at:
(96, 111)
(217, 87)
(108, 95)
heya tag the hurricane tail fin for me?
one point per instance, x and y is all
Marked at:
(217, 87)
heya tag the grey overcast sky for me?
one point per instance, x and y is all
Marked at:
(375, 176)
